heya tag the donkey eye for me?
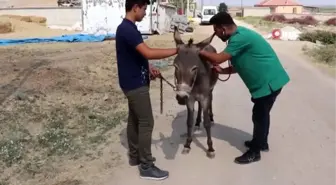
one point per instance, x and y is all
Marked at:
(193, 69)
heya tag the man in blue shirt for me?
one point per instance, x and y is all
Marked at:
(134, 74)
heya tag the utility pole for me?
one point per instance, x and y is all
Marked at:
(241, 7)
(187, 7)
(182, 7)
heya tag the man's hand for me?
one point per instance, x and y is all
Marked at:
(154, 72)
(227, 70)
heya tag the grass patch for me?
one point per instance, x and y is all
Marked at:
(68, 133)
(323, 53)
(325, 37)
(11, 151)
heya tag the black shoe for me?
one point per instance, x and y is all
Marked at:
(248, 157)
(136, 161)
(152, 173)
(264, 148)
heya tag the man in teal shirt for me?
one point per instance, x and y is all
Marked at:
(257, 64)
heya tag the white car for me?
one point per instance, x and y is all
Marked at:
(207, 13)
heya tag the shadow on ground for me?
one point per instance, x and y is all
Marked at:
(170, 144)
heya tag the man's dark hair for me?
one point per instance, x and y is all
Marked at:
(222, 18)
(130, 3)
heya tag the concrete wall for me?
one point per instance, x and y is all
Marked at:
(256, 11)
(289, 9)
(55, 16)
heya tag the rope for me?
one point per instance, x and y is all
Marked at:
(230, 67)
(161, 90)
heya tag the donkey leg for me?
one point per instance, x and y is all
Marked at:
(199, 117)
(207, 126)
(210, 110)
(190, 123)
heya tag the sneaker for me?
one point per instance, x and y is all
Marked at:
(153, 173)
(248, 157)
(136, 161)
(264, 148)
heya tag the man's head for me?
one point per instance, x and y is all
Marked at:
(136, 8)
(223, 25)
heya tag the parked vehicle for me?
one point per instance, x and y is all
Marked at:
(207, 13)
(69, 3)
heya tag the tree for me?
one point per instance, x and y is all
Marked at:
(222, 7)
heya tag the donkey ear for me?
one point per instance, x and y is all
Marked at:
(205, 42)
(177, 36)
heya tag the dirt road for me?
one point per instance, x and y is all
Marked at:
(302, 140)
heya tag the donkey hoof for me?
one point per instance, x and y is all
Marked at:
(185, 150)
(211, 155)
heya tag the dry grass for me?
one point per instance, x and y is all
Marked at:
(6, 27)
(325, 54)
(32, 19)
(23, 29)
(59, 106)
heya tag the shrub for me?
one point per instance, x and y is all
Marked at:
(326, 37)
(275, 18)
(324, 53)
(331, 22)
(305, 20)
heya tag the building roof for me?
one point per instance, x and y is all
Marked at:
(278, 3)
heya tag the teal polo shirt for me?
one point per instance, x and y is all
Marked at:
(256, 62)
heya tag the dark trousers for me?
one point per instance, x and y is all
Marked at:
(261, 119)
(140, 125)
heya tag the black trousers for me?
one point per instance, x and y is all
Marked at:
(261, 119)
(140, 125)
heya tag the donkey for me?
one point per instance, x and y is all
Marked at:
(195, 81)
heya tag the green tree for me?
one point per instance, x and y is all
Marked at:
(222, 7)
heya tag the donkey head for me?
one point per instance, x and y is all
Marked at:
(186, 65)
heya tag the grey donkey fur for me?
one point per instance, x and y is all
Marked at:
(195, 81)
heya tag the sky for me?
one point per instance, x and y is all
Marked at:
(252, 2)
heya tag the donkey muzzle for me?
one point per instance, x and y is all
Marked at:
(182, 100)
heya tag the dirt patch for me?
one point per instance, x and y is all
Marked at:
(59, 106)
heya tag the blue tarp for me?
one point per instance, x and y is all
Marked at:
(63, 38)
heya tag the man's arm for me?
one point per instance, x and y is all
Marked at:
(215, 58)
(237, 44)
(153, 53)
(134, 39)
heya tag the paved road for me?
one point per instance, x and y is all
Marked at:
(302, 136)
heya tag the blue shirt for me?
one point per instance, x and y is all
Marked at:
(133, 68)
